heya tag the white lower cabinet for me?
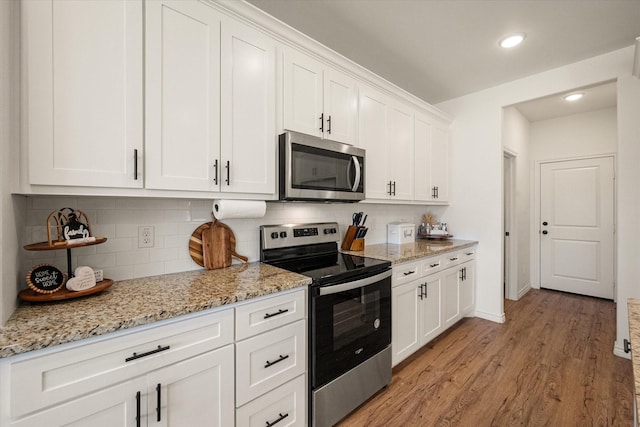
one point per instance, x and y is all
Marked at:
(438, 296)
(187, 371)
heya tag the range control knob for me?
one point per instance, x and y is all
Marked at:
(334, 231)
(327, 231)
(283, 234)
(274, 235)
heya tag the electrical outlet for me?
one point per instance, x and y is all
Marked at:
(145, 236)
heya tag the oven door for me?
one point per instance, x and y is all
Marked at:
(350, 322)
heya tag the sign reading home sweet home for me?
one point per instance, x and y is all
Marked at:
(45, 279)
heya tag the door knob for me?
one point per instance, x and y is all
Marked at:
(545, 223)
(545, 232)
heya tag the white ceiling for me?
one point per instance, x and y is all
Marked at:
(443, 49)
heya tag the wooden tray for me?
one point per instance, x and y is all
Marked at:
(215, 253)
(45, 246)
(435, 237)
(64, 293)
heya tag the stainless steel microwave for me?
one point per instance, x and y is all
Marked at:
(315, 169)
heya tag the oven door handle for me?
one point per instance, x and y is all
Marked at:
(334, 289)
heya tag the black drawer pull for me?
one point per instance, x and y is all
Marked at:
(147, 353)
(453, 259)
(281, 311)
(406, 273)
(469, 253)
(280, 418)
(434, 265)
(138, 409)
(280, 359)
(159, 403)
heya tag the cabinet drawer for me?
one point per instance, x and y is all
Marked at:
(468, 254)
(269, 313)
(52, 376)
(431, 265)
(286, 403)
(404, 273)
(450, 259)
(269, 360)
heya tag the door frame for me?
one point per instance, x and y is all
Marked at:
(509, 223)
(536, 252)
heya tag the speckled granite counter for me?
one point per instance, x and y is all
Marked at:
(410, 251)
(633, 306)
(137, 302)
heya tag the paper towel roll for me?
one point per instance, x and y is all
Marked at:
(225, 209)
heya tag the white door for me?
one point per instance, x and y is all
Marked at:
(182, 130)
(421, 158)
(248, 143)
(439, 165)
(340, 107)
(431, 314)
(303, 94)
(84, 103)
(451, 299)
(405, 315)
(372, 137)
(400, 151)
(576, 223)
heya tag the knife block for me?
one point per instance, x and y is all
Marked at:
(350, 243)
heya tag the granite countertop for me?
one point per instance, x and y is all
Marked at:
(410, 251)
(633, 306)
(135, 302)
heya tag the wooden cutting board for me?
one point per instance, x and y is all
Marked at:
(212, 245)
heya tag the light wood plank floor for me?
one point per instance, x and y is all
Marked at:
(550, 364)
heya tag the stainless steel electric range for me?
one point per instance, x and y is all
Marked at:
(349, 316)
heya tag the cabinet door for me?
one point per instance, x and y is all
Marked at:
(303, 82)
(372, 130)
(431, 315)
(248, 149)
(113, 406)
(400, 151)
(405, 317)
(84, 92)
(182, 95)
(439, 164)
(422, 160)
(340, 107)
(467, 288)
(194, 392)
(451, 296)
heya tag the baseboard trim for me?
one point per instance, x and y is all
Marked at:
(618, 350)
(522, 292)
(490, 316)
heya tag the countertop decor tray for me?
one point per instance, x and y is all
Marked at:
(435, 236)
(64, 293)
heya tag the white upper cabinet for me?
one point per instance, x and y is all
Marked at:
(248, 149)
(83, 98)
(386, 133)
(431, 149)
(318, 100)
(210, 101)
(182, 95)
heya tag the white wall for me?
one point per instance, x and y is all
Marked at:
(585, 134)
(516, 139)
(477, 158)
(174, 220)
(10, 222)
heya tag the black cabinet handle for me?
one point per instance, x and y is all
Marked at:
(147, 353)
(280, 418)
(426, 291)
(228, 180)
(461, 274)
(469, 253)
(464, 274)
(329, 125)
(627, 346)
(322, 122)
(159, 403)
(453, 259)
(437, 192)
(280, 359)
(394, 188)
(135, 164)
(434, 265)
(433, 192)
(406, 273)
(545, 223)
(389, 188)
(138, 409)
(545, 232)
(215, 172)
(279, 312)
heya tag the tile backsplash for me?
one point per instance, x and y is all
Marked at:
(174, 220)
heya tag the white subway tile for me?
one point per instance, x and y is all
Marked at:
(97, 260)
(156, 255)
(115, 245)
(144, 270)
(118, 273)
(114, 216)
(139, 256)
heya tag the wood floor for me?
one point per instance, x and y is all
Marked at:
(550, 364)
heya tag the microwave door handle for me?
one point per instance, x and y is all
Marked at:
(334, 289)
(356, 182)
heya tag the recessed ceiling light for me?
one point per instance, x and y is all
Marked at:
(512, 40)
(573, 96)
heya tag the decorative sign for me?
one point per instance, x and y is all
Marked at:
(84, 278)
(74, 229)
(45, 279)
